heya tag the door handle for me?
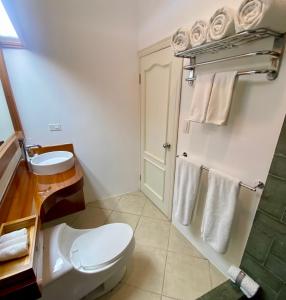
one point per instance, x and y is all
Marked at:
(166, 146)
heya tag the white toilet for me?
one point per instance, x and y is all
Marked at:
(84, 263)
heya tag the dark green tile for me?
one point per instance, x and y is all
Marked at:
(282, 294)
(259, 243)
(278, 166)
(279, 248)
(281, 146)
(276, 266)
(258, 273)
(273, 200)
(269, 223)
(225, 291)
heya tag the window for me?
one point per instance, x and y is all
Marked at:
(8, 34)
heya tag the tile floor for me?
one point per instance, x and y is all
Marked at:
(165, 265)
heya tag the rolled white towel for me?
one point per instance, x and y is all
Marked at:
(222, 24)
(16, 240)
(247, 285)
(181, 39)
(14, 251)
(13, 234)
(262, 13)
(199, 33)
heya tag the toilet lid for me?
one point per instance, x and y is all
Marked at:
(100, 246)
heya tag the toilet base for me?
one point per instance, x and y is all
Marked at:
(107, 286)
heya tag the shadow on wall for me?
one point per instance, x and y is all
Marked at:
(81, 70)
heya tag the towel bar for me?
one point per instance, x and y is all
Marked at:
(236, 40)
(260, 185)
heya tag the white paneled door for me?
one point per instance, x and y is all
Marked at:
(160, 75)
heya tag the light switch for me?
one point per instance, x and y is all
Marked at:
(55, 127)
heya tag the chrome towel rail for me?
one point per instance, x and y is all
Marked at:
(260, 185)
(229, 58)
(234, 41)
(271, 74)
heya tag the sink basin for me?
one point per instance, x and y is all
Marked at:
(51, 163)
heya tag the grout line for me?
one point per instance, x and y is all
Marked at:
(166, 259)
(210, 277)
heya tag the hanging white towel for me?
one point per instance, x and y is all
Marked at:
(181, 40)
(186, 188)
(222, 24)
(199, 33)
(13, 234)
(221, 98)
(201, 97)
(248, 286)
(262, 13)
(14, 251)
(219, 210)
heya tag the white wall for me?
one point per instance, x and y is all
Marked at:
(80, 69)
(244, 148)
(160, 18)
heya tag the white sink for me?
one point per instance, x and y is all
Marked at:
(51, 163)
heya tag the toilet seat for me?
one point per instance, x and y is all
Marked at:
(100, 247)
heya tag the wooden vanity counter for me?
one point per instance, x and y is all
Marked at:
(39, 198)
(49, 197)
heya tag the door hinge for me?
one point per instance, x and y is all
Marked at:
(139, 78)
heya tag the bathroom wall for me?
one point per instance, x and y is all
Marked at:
(160, 18)
(80, 70)
(264, 258)
(245, 147)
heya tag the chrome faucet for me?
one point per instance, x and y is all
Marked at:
(29, 149)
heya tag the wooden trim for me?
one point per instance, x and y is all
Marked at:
(11, 44)
(9, 95)
(165, 43)
(7, 151)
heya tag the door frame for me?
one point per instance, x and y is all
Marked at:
(160, 45)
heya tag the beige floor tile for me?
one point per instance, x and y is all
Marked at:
(120, 217)
(91, 217)
(127, 292)
(186, 277)
(132, 203)
(153, 233)
(111, 203)
(217, 277)
(146, 270)
(150, 210)
(168, 298)
(179, 244)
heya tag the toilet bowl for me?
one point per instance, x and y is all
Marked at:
(84, 263)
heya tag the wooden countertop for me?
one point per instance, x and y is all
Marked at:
(30, 200)
(27, 192)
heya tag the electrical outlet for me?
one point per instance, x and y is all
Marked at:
(55, 127)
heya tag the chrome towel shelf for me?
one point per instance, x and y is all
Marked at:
(260, 185)
(237, 40)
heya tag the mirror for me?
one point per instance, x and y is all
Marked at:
(6, 125)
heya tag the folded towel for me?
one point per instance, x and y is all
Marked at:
(186, 188)
(219, 210)
(12, 235)
(16, 240)
(221, 97)
(199, 33)
(201, 97)
(222, 24)
(181, 40)
(248, 286)
(262, 13)
(14, 251)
